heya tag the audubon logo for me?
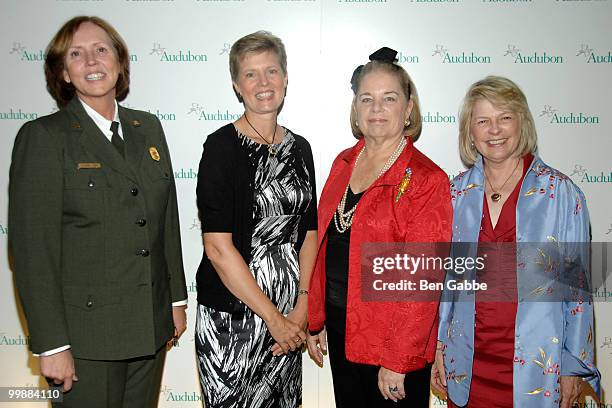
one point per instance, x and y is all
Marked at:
(183, 174)
(3, 229)
(362, 1)
(436, 402)
(407, 58)
(593, 57)
(8, 340)
(167, 394)
(17, 114)
(163, 115)
(218, 114)
(180, 56)
(192, 288)
(603, 294)
(590, 403)
(437, 117)
(196, 225)
(567, 118)
(535, 57)
(583, 175)
(435, 1)
(20, 51)
(455, 58)
(226, 49)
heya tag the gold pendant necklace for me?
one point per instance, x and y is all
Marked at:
(496, 196)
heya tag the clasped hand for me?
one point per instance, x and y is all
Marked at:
(289, 331)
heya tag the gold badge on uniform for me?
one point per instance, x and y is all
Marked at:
(136, 123)
(154, 153)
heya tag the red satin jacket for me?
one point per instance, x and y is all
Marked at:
(400, 336)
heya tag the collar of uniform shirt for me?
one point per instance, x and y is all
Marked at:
(100, 121)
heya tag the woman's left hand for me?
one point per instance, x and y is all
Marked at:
(391, 384)
(179, 318)
(299, 316)
(571, 388)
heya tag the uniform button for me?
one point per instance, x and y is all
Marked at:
(89, 303)
(141, 222)
(134, 191)
(143, 253)
(91, 184)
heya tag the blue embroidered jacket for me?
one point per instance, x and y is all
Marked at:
(553, 332)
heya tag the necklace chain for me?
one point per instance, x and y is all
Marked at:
(271, 148)
(496, 195)
(343, 220)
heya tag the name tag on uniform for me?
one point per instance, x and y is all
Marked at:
(89, 166)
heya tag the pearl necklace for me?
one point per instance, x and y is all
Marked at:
(343, 220)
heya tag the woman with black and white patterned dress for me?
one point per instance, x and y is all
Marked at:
(256, 197)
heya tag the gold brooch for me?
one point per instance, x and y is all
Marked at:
(403, 185)
(154, 153)
(136, 123)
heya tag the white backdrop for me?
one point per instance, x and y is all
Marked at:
(558, 51)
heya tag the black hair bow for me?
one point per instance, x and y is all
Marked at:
(384, 54)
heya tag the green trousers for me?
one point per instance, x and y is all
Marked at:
(132, 383)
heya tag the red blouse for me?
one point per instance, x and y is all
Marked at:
(492, 373)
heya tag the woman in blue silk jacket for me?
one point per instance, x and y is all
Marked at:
(535, 349)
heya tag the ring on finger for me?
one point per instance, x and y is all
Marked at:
(393, 389)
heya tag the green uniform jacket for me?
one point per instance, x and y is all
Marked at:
(95, 237)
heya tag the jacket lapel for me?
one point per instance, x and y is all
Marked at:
(471, 205)
(135, 140)
(336, 186)
(94, 141)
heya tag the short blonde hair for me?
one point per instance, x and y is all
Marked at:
(503, 94)
(413, 130)
(63, 91)
(259, 41)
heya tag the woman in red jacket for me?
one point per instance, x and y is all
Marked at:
(381, 190)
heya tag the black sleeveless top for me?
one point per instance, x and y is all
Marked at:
(336, 269)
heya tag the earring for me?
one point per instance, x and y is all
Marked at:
(407, 122)
(472, 145)
(356, 124)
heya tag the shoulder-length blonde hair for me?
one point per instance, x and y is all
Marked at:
(503, 94)
(63, 91)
